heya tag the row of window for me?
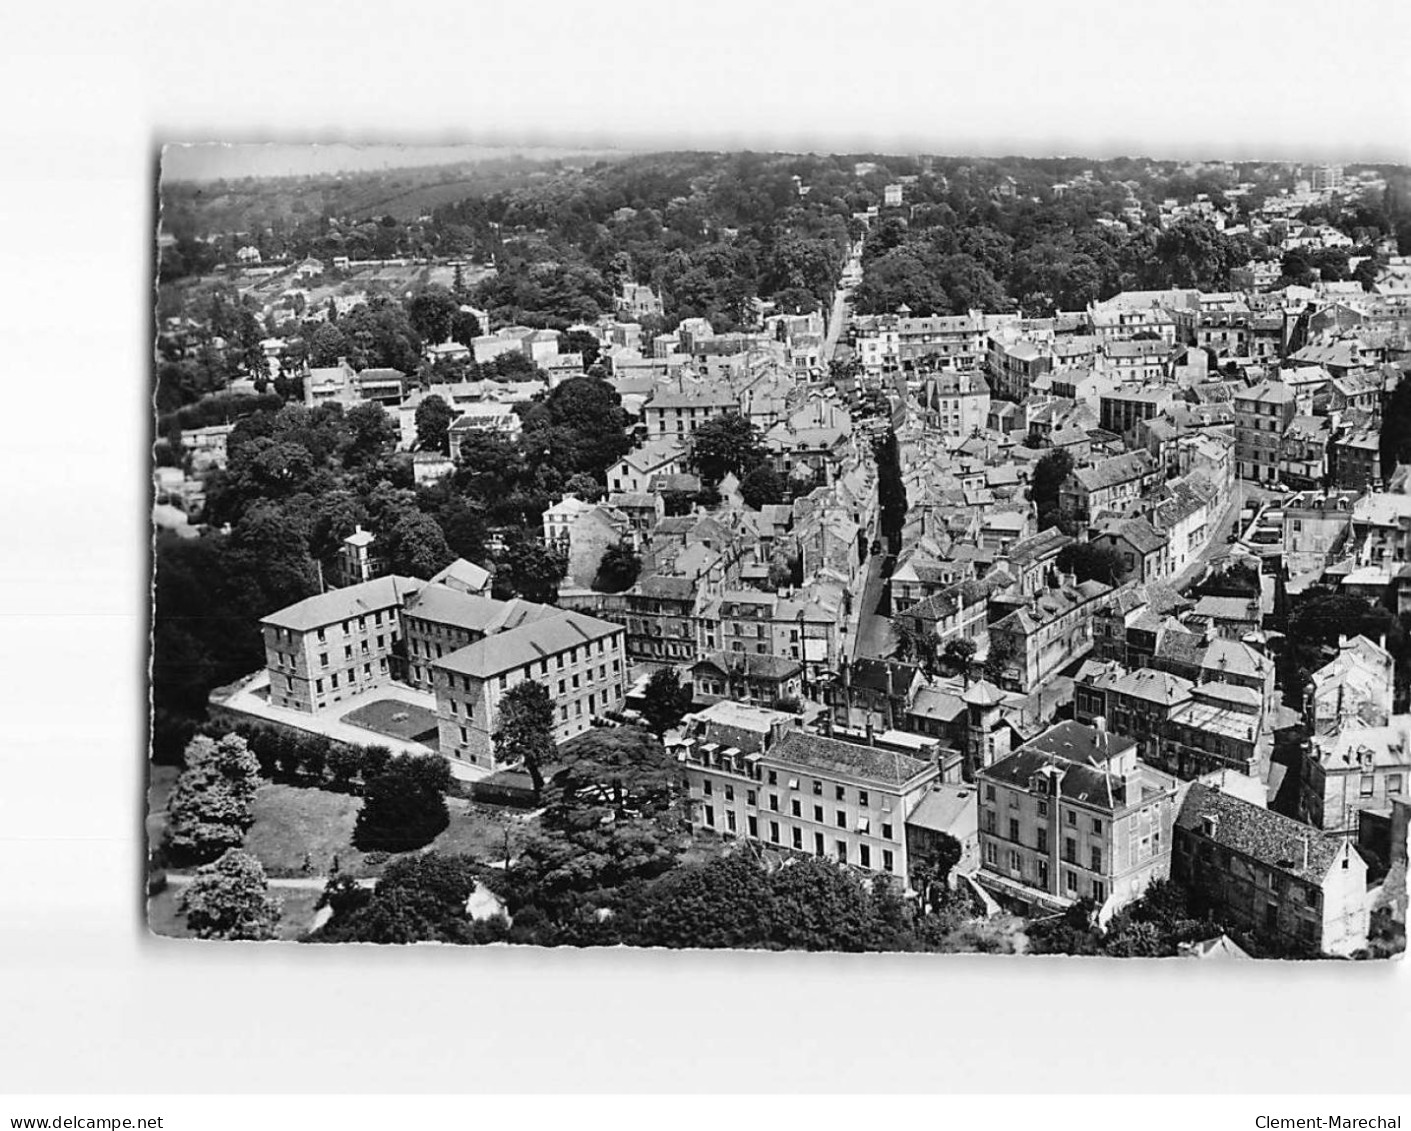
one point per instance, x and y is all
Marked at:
(840, 792)
(1097, 889)
(559, 663)
(796, 840)
(351, 675)
(361, 623)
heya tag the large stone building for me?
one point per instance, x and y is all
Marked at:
(1110, 485)
(1359, 768)
(580, 660)
(1054, 628)
(1071, 815)
(1263, 415)
(1271, 874)
(845, 801)
(326, 649)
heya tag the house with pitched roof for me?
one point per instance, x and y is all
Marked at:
(1109, 485)
(1360, 768)
(439, 619)
(1269, 874)
(1355, 686)
(1051, 630)
(1145, 551)
(1074, 814)
(747, 677)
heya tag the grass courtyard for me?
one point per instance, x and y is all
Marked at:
(405, 721)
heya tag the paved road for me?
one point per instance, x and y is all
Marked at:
(1219, 545)
(839, 317)
(874, 631)
(836, 321)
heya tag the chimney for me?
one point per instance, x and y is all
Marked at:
(870, 741)
(1305, 853)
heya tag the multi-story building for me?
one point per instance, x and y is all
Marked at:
(660, 619)
(1111, 484)
(1136, 362)
(1316, 527)
(325, 649)
(1049, 632)
(1354, 687)
(1271, 874)
(1073, 814)
(721, 747)
(1145, 551)
(956, 404)
(1014, 364)
(1354, 457)
(438, 620)
(1303, 460)
(1356, 768)
(580, 660)
(1381, 528)
(762, 681)
(950, 342)
(1136, 704)
(635, 471)
(680, 411)
(1262, 416)
(840, 800)
(1221, 727)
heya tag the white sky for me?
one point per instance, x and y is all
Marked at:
(1299, 80)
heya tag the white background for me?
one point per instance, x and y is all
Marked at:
(90, 1004)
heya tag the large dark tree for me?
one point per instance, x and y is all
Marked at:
(210, 806)
(525, 731)
(433, 425)
(432, 312)
(762, 486)
(401, 811)
(723, 444)
(618, 569)
(1090, 562)
(1049, 474)
(229, 900)
(665, 700)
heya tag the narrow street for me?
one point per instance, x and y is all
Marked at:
(874, 629)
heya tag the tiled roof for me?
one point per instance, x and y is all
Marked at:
(1114, 470)
(1137, 532)
(871, 675)
(950, 809)
(505, 651)
(1082, 753)
(750, 665)
(340, 604)
(441, 604)
(830, 755)
(1274, 840)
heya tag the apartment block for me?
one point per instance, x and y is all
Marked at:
(580, 660)
(1073, 814)
(328, 648)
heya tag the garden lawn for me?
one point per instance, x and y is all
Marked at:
(418, 726)
(291, 822)
(479, 831)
